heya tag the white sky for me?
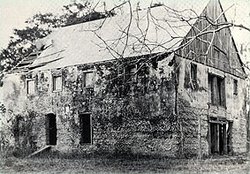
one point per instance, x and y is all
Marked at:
(13, 13)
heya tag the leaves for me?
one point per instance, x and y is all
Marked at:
(22, 41)
(21, 44)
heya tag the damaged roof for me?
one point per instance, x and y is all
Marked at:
(129, 34)
(25, 64)
(140, 32)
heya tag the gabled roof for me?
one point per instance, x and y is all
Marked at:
(239, 69)
(141, 32)
(151, 30)
(222, 53)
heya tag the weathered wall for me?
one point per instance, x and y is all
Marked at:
(141, 116)
(135, 117)
(195, 105)
(212, 52)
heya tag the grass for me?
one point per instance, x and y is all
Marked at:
(110, 164)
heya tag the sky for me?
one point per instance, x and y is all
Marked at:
(13, 13)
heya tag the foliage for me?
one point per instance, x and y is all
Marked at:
(21, 44)
(21, 130)
(79, 12)
(2, 108)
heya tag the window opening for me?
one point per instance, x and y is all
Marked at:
(30, 87)
(57, 83)
(88, 79)
(216, 86)
(235, 87)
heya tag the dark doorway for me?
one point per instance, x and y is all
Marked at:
(51, 131)
(220, 136)
(85, 129)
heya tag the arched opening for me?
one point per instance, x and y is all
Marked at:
(51, 131)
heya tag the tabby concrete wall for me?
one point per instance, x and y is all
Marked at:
(152, 114)
(139, 118)
(196, 107)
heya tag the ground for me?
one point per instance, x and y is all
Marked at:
(104, 165)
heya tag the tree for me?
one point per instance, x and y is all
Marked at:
(187, 16)
(21, 44)
(79, 12)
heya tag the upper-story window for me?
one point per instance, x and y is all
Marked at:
(235, 87)
(57, 83)
(88, 80)
(30, 87)
(216, 86)
(193, 72)
(130, 73)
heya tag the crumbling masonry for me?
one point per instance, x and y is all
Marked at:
(172, 104)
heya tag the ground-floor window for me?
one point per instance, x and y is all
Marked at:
(220, 138)
(85, 128)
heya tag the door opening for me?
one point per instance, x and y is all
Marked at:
(220, 136)
(85, 129)
(51, 131)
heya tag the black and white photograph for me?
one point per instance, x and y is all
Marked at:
(124, 86)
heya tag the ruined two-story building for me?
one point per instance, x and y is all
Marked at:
(155, 81)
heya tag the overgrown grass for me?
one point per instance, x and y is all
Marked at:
(105, 163)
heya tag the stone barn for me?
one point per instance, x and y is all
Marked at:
(155, 81)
